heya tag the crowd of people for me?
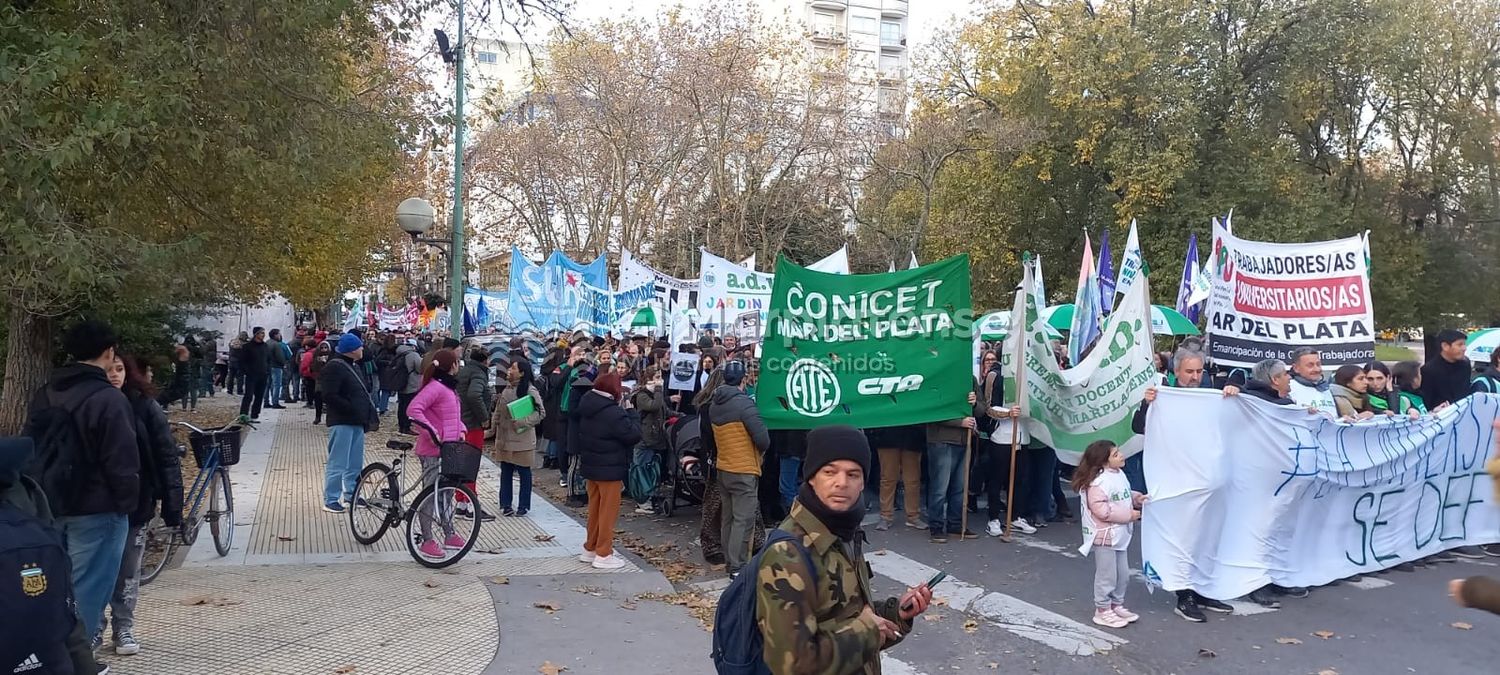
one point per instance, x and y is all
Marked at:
(596, 408)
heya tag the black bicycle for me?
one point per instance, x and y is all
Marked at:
(436, 536)
(210, 500)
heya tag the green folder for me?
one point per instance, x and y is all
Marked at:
(521, 408)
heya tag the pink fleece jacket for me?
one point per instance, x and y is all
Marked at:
(436, 406)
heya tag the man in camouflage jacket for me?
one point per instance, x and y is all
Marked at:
(823, 621)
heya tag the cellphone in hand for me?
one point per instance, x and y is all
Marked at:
(931, 583)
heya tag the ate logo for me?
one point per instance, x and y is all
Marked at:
(1221, 259)
(812, 389)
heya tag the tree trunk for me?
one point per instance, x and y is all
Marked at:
(28, 359)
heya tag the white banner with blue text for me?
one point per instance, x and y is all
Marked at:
(1245, 493)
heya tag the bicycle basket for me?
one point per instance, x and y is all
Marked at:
(226, 441)
(458, 461)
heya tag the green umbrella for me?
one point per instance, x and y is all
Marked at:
(1164, 320)
(1482, 343)
(994, 326)
(1168, 321)
(645, 317)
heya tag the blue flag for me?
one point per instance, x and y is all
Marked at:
(1106, 275)
(1085, 326)
(1185, 287)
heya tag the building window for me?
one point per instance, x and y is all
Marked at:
(890, 33)
(891, 101)
(824, 23)
(489, 57)
(890, 65)
(863, 24)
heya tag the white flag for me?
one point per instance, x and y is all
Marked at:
(1130, 265)
(836, 262)
(913, 264)
(749, 263)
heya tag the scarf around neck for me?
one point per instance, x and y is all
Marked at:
(844, 525)
(447, 379)
(1320, 385)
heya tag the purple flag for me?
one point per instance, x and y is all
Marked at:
(1106, 275)
(1185, 288)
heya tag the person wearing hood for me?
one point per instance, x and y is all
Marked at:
(104, 486)
(515, 438)
(823, 618)
(1351, 393)
(1309, 387)
(411, 367)
(342, 390)
(741, 440)
(1446, 379)
(580, 382)
(607, 438)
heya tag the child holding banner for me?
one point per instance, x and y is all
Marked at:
(1111, 508)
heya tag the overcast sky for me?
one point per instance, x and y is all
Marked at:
(926, 15)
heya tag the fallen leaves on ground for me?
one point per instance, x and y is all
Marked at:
(215, 600)
(500, 580)
(550, 668)
(345, 669)
(627, 605)
(994, 666)
(1325, 634)
(431, 583)
(1461, 625)
(700, 606)
(971, 626)
(934, 617)
(1328, 671)
(551, 607)
(590, 590)
(1288, 641)
(286, 537)
(1207, 653)
(667, 557)
(545, 537)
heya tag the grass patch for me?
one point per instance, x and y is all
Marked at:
(1385, 352)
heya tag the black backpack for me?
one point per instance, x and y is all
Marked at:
(739, 647)
(392, 369)
(61, 450)
(36, 598)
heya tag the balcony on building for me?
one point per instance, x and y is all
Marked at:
(831, 4)
(888, 75)
(829, 35)
(894, 43)
(894, 8)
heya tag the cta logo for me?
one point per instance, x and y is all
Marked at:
(877, 386)
(812, 390)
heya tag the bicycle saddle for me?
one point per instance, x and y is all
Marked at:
(398, 445)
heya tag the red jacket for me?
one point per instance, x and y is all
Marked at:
(306, 366)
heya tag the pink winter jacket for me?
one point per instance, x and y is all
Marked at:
(436, 406)
(1110, 510)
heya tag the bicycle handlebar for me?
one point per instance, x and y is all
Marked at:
(198, 430)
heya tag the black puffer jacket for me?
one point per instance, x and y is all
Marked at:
(108, 479)
(255, 359)
(161, 469)
(607, 436)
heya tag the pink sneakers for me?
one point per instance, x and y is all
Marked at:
(1109, 619)
(454, 542)
(431, 549)
(1125, 614)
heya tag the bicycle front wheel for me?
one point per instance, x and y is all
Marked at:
(434, 538)
(376, 504)
(221, 511)
(156, 551)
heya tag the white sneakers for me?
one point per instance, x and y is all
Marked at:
(587, 557)
(609, 562)
(1109, 619)
(995, 528)
(1023, 526)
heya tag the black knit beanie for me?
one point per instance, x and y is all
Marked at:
(840, 441)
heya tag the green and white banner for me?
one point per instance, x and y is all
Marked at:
(869, 350)
(1068, 409)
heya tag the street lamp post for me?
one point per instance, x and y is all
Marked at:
(415, 217)
(456, 256)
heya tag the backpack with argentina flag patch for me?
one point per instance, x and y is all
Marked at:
(36, 588)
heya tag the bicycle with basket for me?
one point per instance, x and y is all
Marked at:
(210, 499)
(380, 502)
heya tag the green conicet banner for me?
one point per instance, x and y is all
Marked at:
(868, 350)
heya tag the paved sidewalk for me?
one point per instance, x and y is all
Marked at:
(298, 596)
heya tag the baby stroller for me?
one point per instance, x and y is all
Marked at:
(687, 475)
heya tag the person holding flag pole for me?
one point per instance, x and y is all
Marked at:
(1023, 315)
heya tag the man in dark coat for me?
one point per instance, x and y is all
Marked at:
(255, 363)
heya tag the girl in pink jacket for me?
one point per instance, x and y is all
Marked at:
(437, 411)
(1109, 510)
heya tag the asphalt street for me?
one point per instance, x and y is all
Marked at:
(1026, 607)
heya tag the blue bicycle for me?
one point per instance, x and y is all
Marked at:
(210, 500)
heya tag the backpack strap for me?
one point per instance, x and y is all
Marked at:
(779, 535)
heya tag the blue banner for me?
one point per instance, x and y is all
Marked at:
(546, 296)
